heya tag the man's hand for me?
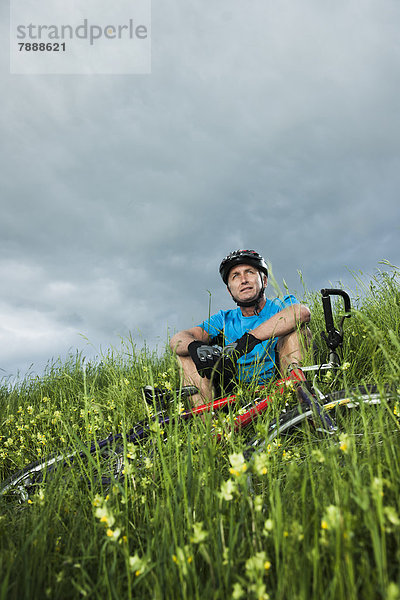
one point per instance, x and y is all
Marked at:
(242, 346)
(205, 357)
(232, 352)
(210, 360)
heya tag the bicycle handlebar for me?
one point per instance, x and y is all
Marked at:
(335, 292)
(334, 337)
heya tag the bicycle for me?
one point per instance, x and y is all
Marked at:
(106, 458)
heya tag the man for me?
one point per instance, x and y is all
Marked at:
(252, 335)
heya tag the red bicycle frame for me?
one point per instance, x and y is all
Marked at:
(242, 420)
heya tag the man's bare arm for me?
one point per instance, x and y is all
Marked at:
(283, 322)
(180, 341)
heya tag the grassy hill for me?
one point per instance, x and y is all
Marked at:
(310, 518)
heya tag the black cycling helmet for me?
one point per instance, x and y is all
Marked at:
(239, 257)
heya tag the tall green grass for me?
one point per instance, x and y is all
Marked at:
(191, 518)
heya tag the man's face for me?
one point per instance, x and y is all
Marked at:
(245, 282)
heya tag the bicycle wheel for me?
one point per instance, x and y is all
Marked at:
(294, 419)
(363, 394)
(102, 465)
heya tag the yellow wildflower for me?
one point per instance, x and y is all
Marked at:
(137, 564)
(199, 535)
(227, 490)
(345, 442)
(238, 464)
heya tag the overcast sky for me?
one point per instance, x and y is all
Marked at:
(272, 125)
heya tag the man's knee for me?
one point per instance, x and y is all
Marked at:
(299, 337)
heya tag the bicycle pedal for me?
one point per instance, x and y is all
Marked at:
(325, 431)
(163, 396)
(155, 396)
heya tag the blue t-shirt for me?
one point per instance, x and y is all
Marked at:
(259, 364)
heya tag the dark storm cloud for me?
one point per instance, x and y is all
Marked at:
(273, 125)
